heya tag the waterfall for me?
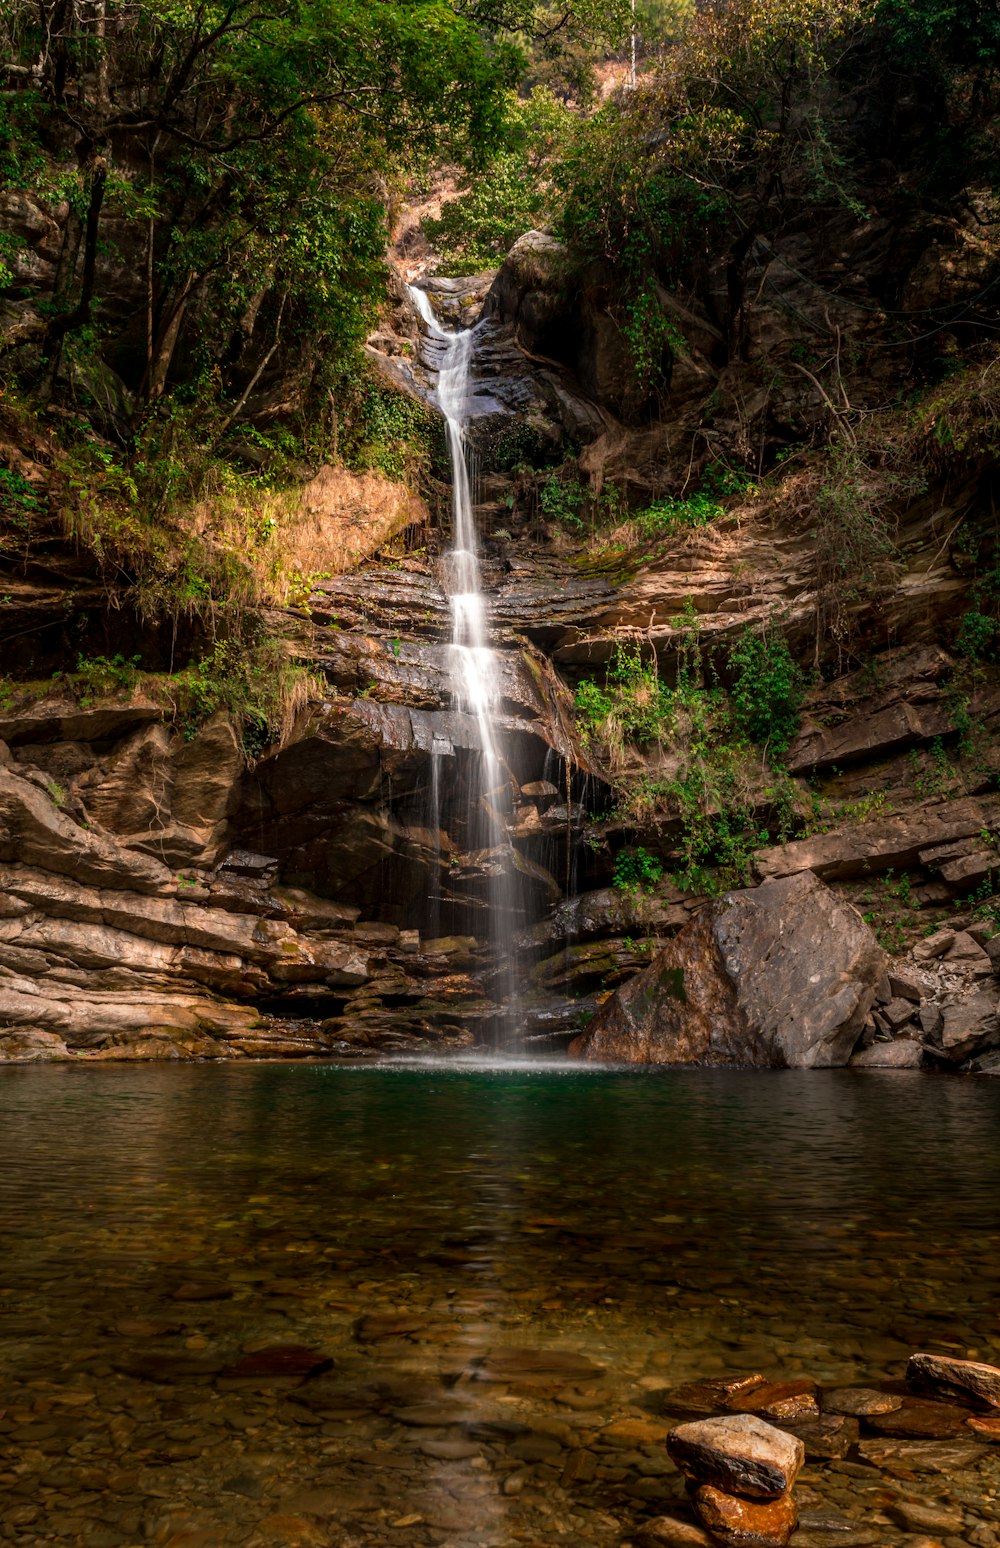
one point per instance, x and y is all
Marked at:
(474, 667)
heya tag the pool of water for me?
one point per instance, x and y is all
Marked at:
(508, 1268)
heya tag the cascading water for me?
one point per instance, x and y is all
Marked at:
(475, 668)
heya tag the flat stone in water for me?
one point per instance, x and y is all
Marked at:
(516, 1364)
(779, 1400)
(285, 1363)
(921, 1456)
(202, 1290)
(918, 1516)
(431, 1415)
(668, 1532)
(860, 1401)
(830, 1437)
(921, 1421)
(708, 1397)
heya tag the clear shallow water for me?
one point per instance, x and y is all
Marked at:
(157, 1223)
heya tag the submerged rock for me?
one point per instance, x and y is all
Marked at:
(779, 976)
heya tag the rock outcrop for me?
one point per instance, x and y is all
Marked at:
(782, 975)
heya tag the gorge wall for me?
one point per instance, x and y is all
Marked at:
(166, 894)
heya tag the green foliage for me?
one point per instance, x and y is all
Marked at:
(564, 500)
(509, 194)
(666, 515)
(766, 690)
(637, 869)
(101, 677)
(379, 427)
(19, 503)
(979, 627)
(717, 786)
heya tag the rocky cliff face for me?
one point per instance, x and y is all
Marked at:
(163, 896)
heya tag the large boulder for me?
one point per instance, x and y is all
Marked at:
(778, 976)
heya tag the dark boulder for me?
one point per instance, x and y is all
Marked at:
(778, 976)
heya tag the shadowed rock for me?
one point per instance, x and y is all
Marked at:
(777, 976)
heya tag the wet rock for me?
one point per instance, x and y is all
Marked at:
(517, 1364)
(829, 1438)
(668, 1532)
(921, 1456)
(780, 1400)
(905, 1053)
(962, 1378)
(918, 1516)
(280, 1364)
(741, 1523)
(860, 1401)
(921, 1421)
(31, 1045)
(738, 1453)
(707, 1397)
(202, 1290)
(781, 975)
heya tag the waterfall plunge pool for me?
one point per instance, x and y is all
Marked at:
(416, 1224)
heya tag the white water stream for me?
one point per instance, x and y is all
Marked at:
(475, 669)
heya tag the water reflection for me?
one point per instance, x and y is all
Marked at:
(156, 1222)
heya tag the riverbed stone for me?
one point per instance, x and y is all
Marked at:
(742, 1523)
(921, 1421)
(921, 1456)
(738, 1453)
(779, 1400)
(860, 1401)
(708, 1397)
(669, 1532)
(963, 1378)
(781, 975)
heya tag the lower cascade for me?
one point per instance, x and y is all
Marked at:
(475, 667)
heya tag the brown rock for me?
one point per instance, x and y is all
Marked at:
(829, 1438)
(987, 1428)
(905, 986)
(966, 1378)
(905, 1053)
(738, 1452)
(934, 946)
(890, 843)
(779, 1400)
(708, 1397)
(860, 1401)
(918, 1516)
(897, 1012)
(741, 1523)
(921, 1421)
(777, 976)
(921, 1456)
(668, 1532)
(287, 1364)
(30, 1045)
